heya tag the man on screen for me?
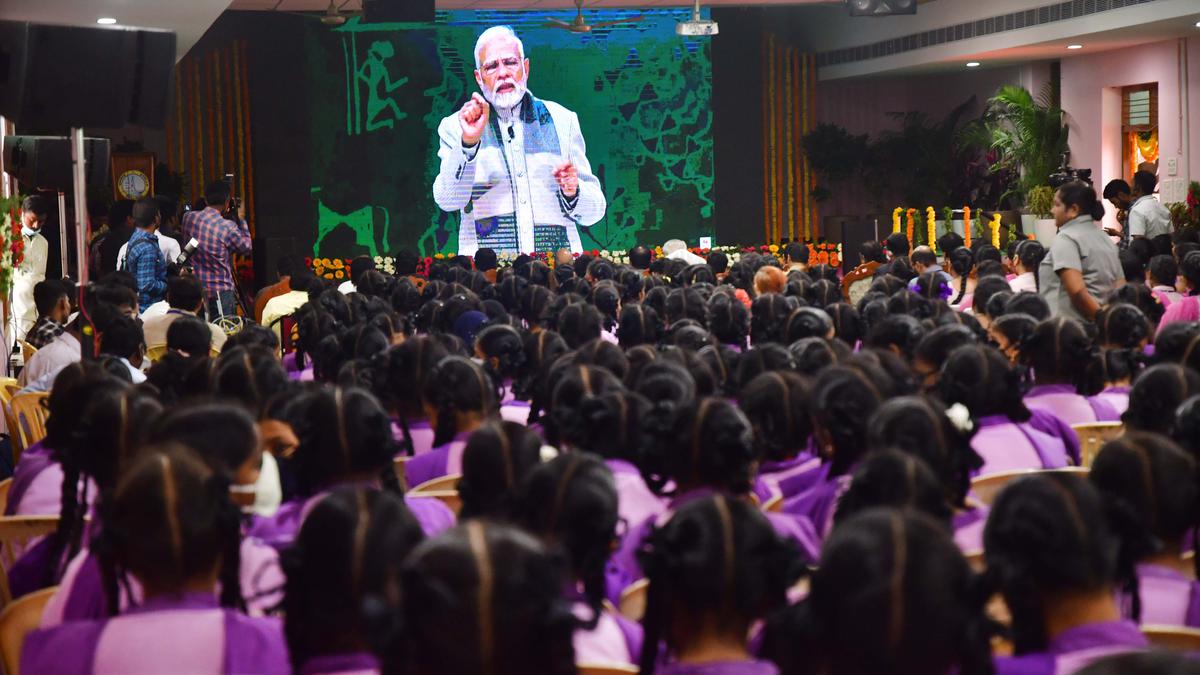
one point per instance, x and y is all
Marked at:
(514, 166)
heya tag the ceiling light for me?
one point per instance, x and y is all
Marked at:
(972, 64)
(106, 21)
(1074, 46)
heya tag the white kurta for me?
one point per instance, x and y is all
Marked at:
(28, 274)
(532, 192)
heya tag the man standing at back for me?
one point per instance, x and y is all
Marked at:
(219, 239)
(1147, 217)
(32, 270)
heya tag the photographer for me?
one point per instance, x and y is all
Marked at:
(219, 239)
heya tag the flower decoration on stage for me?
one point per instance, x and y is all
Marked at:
(967, 226)
(910, 224)
(338, 269)
(896, 219)
(12, 244)
(995, 225)
(930, 225)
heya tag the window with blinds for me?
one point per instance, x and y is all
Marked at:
(1139, 110)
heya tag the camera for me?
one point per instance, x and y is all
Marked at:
(1066, 174)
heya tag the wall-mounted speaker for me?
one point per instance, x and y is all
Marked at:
(44, 162)
(881, 7)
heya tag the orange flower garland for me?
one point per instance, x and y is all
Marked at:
(931, 225)
(967, 226)
(896, 219)
(910, 222)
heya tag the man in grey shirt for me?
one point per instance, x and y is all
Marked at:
(1082, 267)
(1147, 217)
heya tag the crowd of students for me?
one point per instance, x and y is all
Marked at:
(786, 475)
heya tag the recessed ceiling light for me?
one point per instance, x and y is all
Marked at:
(1074, 46)
(972, 64)
(106, 21)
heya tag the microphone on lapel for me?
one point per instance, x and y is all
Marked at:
(512, 134)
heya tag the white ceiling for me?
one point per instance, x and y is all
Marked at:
(188, 18)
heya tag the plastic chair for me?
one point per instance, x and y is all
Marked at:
(16, 532)
(1175, 638)
(8, 388)
(27, 423)
(611, 669)
(400, 466)
(440, 484)
(5, 486)
(27, 351)
(985, 488)
(450, 498)
(156, 352)
(633, 600)
(1093, 436)
(18, 620)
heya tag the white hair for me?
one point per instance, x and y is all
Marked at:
(493, 34)
(673, 245)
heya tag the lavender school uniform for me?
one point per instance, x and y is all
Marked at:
(790, 477)
(1075, 649)
(444, 460)
(419, 431)
(1006, 445)
(1169, 598)
(358, 663)
(166, 634)
(968, 528)
(1064, 402)
(615, 640)
(819, 503)
(636, 502)
(1116, 397)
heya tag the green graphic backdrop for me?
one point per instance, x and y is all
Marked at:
(379, 91)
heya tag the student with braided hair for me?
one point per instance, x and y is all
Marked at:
(495, 461)
(768, 318)
(339, 604)
(639, 325)
(458, 397)
(1156, 393)
(777, 405)
(1154, 485)
(1058, 562)
(502, 349)
(402, 372)
(1060, 355)
(571, 504)
(1008, 435)
(1123, 332)
(171, 526)
(714, 569)
(728, 320)
(483, 598)
(892, 594)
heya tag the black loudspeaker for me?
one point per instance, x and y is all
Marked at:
(44, 162)
(53, 78)
(267, 252)
(881, 7)
(855, 233)
(391, 11)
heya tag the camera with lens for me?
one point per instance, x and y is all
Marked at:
(1066, 174)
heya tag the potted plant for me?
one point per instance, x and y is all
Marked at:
(1040, 201)
(1030, 136)
(835, 154)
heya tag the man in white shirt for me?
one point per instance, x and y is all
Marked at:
(169, 247)
(1147, 217)
(513, 166)
(35, 209)
(185, 296)
(361, 264)
(285, 305)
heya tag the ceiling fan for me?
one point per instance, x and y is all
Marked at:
(579, 25)
(334, 15)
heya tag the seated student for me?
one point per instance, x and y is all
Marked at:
(1153, 481)
(189, 336)
(1029, 254)
(281, 306)
(843, 400)
(707, 448)
(1059, 354)
(403, 370)
(933, 350)
(960, 263)
(1123, 332)
(106, 419)
(714, 569)
(1050, 546)
(1186, 308)
(177, 536)
(344, 438)
(341, 577)
(1009, 435)
(53, 303)
(1178, 343)
(639, 325)
(496, 460)
(892, 594)
(920, 426)
(458, 398)
(777, 405)
(185, 296)
(122, 338)
(1157, 392)
(224, 437)
(103, 304)
(484, 598)
(358, 267)
(283, 270)
(571, 503)
(502, 349)
(1161, 276)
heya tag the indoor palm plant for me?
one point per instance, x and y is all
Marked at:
(1029, 134)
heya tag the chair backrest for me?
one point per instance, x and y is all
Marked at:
(633, 600)
(18, 620)
(450, 498)
(5, 486)
(440, 484)
(1093, 436)
(985, 488)
(773, 505)
(27, 350)
(609, 669)
(15, 534)
(400, 466)
(858, 281)
(28, 426)
(1175, 638)
(8, 388)
(156, 352)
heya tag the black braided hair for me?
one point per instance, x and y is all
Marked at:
(458, 386)
(728, 319)
(919, 426)
(1179, 342)
(1060, 350)
(710, 444)
(980, 378)
(962, 262)
(1122, 334)
(777, 405)
(502, 349)
(843, 398)
(892, 478)
(574, 387)
(344, 435)
(248, 376)
(639, 325)
(768, 318)
(1156, 392)
(496, 459)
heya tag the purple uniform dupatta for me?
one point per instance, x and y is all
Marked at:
(443, 460)
(1006, 445)
(1075, 649)
(157, 637)
(635, 500)
(357, 663)
(819, 503)
(1064, 402)
(1169, 597)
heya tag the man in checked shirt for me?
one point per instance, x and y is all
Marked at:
(219, 238)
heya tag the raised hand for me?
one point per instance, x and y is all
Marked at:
(474, 118)
(567, 177)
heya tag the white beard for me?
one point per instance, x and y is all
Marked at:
(507, 100)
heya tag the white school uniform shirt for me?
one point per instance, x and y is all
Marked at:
(1149, 218)
(168, 246)
(346, 288)
(1024, 283)
(533, 186)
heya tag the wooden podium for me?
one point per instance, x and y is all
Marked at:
(133, 175)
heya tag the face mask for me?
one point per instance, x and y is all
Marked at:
(28, 232)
